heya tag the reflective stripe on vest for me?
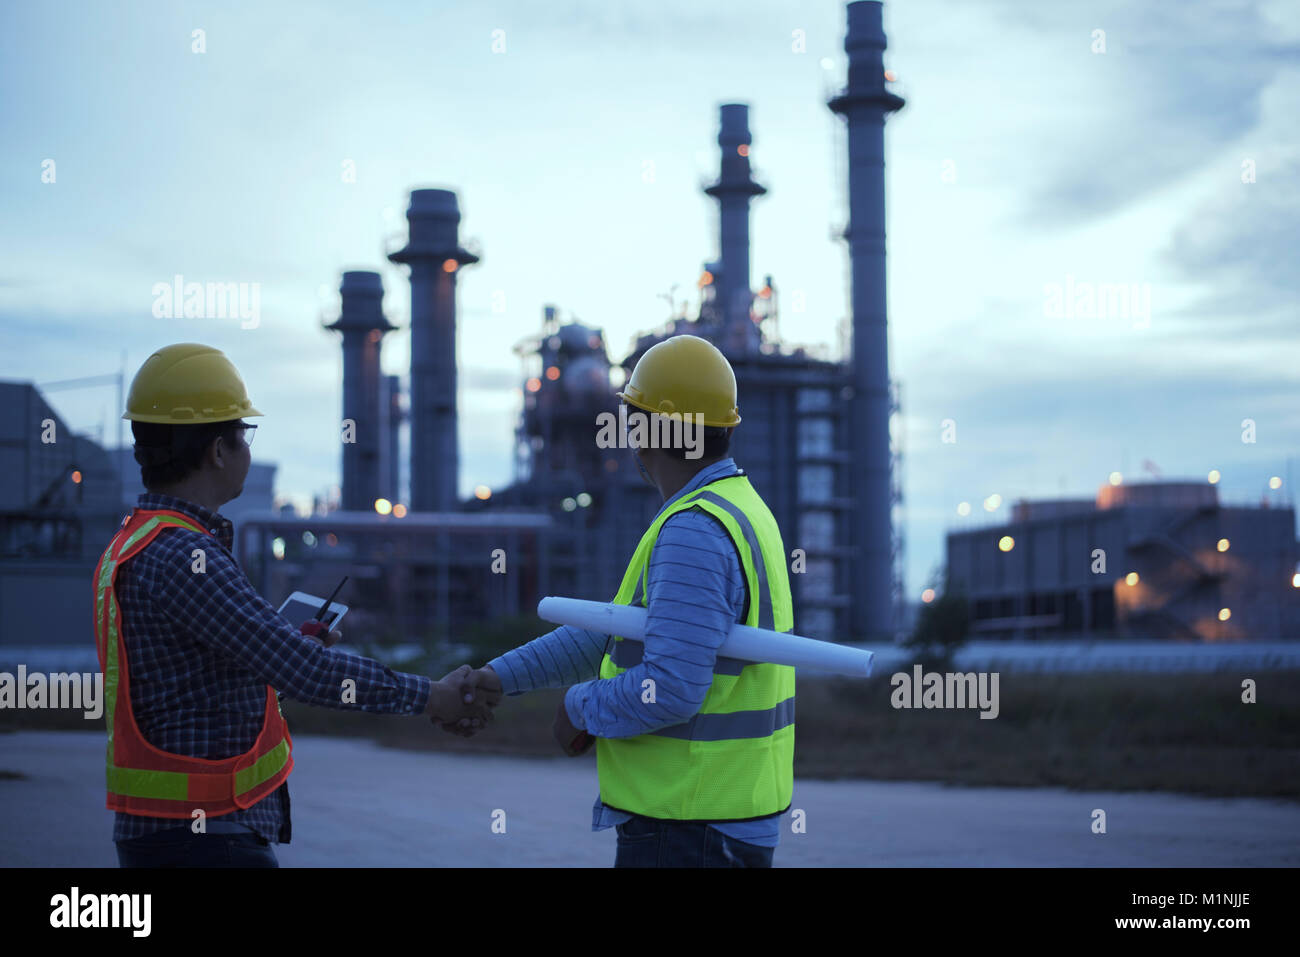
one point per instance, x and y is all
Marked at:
(141, 778)
(733, 760)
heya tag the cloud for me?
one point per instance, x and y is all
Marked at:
(1175, 84)
(1242, 240)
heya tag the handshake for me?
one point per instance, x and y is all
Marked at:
(463, 700)
(462, 703)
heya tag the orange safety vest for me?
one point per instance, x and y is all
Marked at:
(146, 780)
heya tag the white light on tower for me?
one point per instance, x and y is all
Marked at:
(1214, 476)
(1116, 478)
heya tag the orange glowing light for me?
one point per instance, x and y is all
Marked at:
(743, 149)
(927, 596)
(765, 292)
(533, 384)
(553, 372)
(76, 477)
(706, 278)
(449, 265)
(399, 510)
(890, 76)
(331, 539)
(482, 493)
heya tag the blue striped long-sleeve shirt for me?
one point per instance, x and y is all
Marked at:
(203, 645)
(695, 591)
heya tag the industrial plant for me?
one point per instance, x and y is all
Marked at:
(815, 442)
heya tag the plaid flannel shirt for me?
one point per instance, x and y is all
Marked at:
(203, 646)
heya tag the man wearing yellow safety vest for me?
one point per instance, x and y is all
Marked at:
(192, 656)
(694, 751)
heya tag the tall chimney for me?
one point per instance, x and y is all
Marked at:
(434, 254)
(733, 191)
(390, 423)
(864, 104)
(361, 321)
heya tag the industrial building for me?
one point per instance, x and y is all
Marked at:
(1151, 559)
(815, 440)
(833, 486)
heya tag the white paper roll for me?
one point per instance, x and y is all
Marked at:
(743, 642)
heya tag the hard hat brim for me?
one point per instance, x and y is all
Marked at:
(248, 413)
(645, 408)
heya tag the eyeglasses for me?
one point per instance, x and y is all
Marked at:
(246, 433)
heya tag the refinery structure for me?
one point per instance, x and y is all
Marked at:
(814, 437)
(815, 440)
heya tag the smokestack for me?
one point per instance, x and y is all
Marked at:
(434, 254)
(864, 104)
(390, 423)
(733, 191)
(362, 323)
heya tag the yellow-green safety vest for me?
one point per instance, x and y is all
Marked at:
(734, 759)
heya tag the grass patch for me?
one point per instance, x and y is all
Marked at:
(1186, 733)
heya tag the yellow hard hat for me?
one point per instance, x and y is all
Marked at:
(685, 374)
(187, 384)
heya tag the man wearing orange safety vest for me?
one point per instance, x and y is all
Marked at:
(198, 751)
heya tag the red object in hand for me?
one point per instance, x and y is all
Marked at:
(314, 629)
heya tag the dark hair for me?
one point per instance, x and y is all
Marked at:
(171, 453)
(717, 441)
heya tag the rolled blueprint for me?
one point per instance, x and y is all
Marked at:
(743, 642)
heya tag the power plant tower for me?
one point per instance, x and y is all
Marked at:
(435, 256)
(733, 191)
(363, 324)
(864, 104)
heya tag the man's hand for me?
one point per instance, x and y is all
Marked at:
(571, 739)
(456, 701)
(316, 629)
(487, 684)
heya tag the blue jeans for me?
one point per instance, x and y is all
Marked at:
(648, 842)
(180, 847)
